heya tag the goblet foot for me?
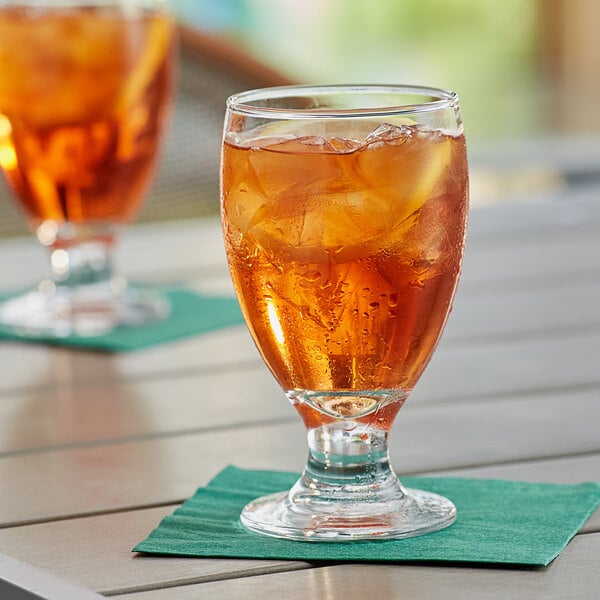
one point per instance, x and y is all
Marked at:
(56, 311)
(412, 513)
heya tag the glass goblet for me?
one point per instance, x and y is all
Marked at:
(344, 211)
(85, 89)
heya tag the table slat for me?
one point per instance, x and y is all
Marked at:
(104, 561)
(574, 574)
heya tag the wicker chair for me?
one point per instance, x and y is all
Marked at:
(186, 184)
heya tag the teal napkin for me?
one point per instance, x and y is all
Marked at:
(503, 522)
(191, 314)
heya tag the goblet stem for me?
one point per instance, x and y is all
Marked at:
(85, 263)
(346, 457)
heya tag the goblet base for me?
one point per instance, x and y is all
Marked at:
(88, 310)
(414, 513)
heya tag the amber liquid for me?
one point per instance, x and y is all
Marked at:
(345, 256)
(83, 98)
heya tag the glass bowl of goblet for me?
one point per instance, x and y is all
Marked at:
(85, 93)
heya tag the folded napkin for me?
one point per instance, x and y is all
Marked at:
(504, 522)
(190, 314)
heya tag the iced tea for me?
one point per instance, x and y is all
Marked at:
(345, 255)
(83, 97)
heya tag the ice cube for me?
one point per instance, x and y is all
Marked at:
(386, 132)
(338, 145)
(345, 146)
(318, 142)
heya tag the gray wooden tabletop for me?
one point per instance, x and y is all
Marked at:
(96, 448)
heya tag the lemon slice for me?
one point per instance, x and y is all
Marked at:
(158, 39)
(405, 181)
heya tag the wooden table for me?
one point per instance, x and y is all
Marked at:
(96, 448)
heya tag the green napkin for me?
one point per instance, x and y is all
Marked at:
(504, 522)
(191, 314)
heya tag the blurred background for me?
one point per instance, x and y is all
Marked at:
(527, 72)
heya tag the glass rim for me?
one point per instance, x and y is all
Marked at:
(440, 99)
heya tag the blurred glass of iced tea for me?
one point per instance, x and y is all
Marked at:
(84, 92)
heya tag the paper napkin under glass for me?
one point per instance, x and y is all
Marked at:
(499, 522)
(190, 314)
